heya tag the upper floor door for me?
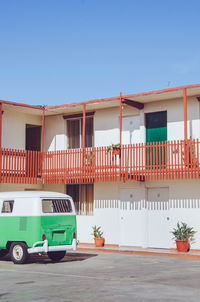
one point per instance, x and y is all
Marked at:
(33, 137)
(131, 130)
(156, 126)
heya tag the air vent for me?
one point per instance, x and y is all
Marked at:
(22, 223)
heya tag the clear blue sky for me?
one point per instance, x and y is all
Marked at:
(62, 51)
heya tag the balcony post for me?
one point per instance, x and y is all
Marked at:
(186, 151)
(43, 111)
(185, 113)
(83, 130)
(0, 125)
(120, 120)
(120, 133)
(1, 138)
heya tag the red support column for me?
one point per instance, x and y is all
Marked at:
(0, 139)
(0, 125)
(43, 111)
(120, 119)
(185, 113)
(83, 130)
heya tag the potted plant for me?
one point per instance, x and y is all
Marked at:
(115, 148)
(183, 236)
(98, 239)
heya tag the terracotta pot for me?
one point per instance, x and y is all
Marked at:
(99, 241)
(116, 151)
(182, 245)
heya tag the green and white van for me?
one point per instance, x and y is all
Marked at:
(36, 222)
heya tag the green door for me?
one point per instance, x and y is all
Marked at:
(156, 131)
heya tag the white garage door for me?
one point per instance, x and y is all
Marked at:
(158, 217)
(131, 218)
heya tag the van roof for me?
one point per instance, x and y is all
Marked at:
(25, 194)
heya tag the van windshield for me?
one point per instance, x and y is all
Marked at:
(56, 206)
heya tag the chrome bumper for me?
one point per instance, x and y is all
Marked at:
(52, 248)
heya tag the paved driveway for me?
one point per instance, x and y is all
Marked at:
(101, 277)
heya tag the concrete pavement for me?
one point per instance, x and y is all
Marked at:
(101, 277)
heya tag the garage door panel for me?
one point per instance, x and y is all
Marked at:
(158, 217)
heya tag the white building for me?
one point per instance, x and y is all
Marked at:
(137, 196)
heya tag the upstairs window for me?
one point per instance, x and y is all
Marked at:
(7, 206)
(74, 132)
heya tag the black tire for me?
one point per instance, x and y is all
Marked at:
(56, 256)
(18, 252)
(3, 252)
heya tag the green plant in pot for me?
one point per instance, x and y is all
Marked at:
(183, 235)
(115, 148)
(97, 234)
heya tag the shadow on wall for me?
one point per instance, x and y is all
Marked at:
(55, 133)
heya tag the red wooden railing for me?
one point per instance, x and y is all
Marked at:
(154, 161)
(20, 166)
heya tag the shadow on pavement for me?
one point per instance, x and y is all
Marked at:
(44, 259)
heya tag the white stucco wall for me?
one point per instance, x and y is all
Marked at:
(14, 127)
(106, 123)
(175, 117)
(107, 216)
(20, 187)
(61, 188)
(55, 137)
(184, 201)
(106, 212)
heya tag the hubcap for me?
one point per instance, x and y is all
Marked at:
(17, 252)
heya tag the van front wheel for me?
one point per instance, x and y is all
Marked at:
(56, 256)
(18, 252)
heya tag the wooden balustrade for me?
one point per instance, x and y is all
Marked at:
(151, 161)
(20, 166)
(140, 162)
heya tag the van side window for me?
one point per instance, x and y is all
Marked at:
(56, 206)
(7, 206)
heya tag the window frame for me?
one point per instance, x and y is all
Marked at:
(12, 201)
(59, 207)
(80, 131)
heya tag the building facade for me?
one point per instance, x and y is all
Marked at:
(131, 163)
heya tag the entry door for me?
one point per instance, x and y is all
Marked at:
(33, 143)
(158, 218)
(131, 219)
(156, 126)
(131, 129)
(156, 131)
(33, 137)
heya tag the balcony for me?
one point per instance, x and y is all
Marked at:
(20, 166)
(140, 162)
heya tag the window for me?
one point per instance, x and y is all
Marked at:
(74, 132)
(7, 206)
(56, 206)
(83, 197)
